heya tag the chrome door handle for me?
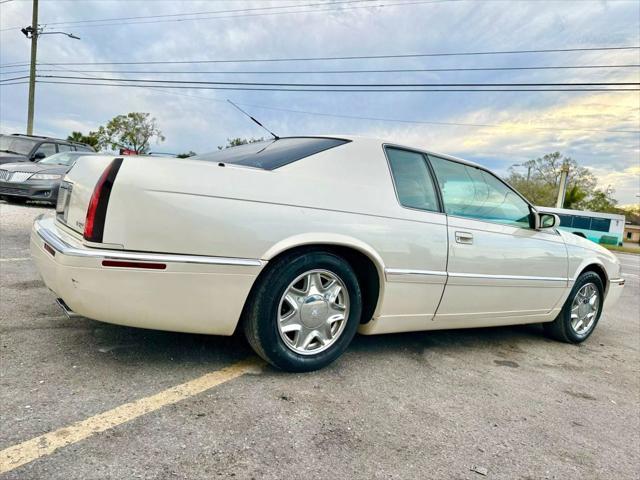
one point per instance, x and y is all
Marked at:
(464, 237)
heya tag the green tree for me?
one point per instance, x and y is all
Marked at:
(133, 131)
(234, 142)
(601, 201)
(540, 184)
(188, 154)
(574, 196)
(91, 139)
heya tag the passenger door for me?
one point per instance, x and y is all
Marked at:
(500, 269)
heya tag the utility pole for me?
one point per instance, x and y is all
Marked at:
(32, 32)
(562, 188)
(32, 68)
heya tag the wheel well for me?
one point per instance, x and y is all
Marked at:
(362, 265)
(598, 270)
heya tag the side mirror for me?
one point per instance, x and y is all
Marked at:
(38, 156)
(547, 220)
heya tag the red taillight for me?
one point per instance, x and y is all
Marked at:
(97, 211)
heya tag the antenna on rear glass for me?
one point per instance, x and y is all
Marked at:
(256, 121)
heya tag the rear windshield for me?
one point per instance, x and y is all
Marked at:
(271, 154)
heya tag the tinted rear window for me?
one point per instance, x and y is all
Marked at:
(271, 154)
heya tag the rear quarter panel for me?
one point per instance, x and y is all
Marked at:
(341, 196)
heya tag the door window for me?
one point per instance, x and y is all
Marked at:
(472, 192)
(412, 179)
(63, 147)
(47, 149)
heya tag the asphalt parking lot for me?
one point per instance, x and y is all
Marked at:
(86, 400)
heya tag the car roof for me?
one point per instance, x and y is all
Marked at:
(52, 139)
(359, 139)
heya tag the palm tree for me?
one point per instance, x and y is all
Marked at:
(574, 196)
(90, 139)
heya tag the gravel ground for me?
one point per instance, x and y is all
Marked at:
(502, 403)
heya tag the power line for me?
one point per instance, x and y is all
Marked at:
(243, 15)
(322, 72)
(346, 85)
(426, 122)
(429, 122)
(175, 15)
(359, 90)
(349, 57)
(14, 78)
(209, 12)
(381, 119)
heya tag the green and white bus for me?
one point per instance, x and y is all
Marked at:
(605, 228)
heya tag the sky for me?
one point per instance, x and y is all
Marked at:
(502, 128)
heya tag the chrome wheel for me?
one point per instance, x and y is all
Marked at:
(313, 312)
(584, 309)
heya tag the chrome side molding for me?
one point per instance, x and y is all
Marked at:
(508, 277)
(400, 275)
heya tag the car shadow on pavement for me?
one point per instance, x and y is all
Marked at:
(27, 204)
(135, 345)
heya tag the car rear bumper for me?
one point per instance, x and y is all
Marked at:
(194, 294)
(45, 191)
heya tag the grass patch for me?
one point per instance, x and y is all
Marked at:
(624, 249)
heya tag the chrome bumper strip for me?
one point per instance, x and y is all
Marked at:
(59, 245)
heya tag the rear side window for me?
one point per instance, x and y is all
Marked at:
(271, 154)
(413, 181)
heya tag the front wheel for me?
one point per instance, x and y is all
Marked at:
(581, 312)
(304, 312)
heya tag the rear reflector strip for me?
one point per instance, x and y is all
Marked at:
(50, 249)
(123, 264)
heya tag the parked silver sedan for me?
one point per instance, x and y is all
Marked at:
(40, 180)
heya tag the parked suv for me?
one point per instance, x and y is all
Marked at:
(25, 148)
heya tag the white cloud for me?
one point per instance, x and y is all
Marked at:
(200, 120)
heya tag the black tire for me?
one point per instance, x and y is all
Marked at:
(260, 315)
(16, 200)
(561, 328)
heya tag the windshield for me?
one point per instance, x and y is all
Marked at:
(272, 154)
(62, 158)
(16, 144)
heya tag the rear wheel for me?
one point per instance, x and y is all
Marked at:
(304, 311)
(581, 312)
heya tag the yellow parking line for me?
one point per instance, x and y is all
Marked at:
(25, 452)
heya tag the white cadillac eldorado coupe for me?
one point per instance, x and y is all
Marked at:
(303, 241)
